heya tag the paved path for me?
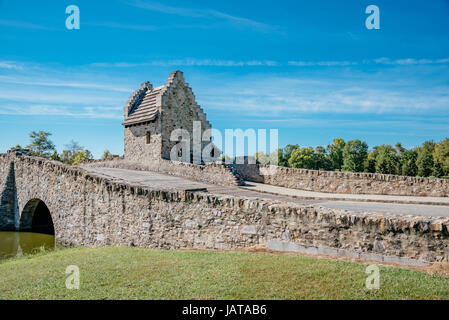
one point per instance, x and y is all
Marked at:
(159, 181)
(392, 208)
(149, 179)
(352, 197)
(350, 202)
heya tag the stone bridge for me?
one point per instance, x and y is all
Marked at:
(93, 206)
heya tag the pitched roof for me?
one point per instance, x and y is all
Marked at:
(143, 105)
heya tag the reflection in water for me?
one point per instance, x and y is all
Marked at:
(18, 243)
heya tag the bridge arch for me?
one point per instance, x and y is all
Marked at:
(36, 217)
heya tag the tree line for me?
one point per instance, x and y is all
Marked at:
(41, 146)
(431, 159)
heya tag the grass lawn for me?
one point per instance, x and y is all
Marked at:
(133, 273)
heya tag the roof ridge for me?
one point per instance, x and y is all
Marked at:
(142, 106)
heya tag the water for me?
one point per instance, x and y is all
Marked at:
(18, 243)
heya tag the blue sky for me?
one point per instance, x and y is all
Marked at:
(310, 69)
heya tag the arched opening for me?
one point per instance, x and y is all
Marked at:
(36, 218)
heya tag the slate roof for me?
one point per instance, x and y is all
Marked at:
(142, 106)
(145, 103)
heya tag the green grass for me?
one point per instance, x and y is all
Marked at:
(133, 273)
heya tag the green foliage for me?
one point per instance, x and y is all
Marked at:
(81, 156)
(408, 163)
(335, 153)
(55, 156)
(370, 163)
(106, 154)
(425, 162)
(437, 170)
(285, 153)
(72, 149)
(386, 159)
(430, 159)
(355, 153)
(441, 157)
(74, 153)
(302, 158)
(322, 161)
(262, 158)
(399, 148)
(41, 145)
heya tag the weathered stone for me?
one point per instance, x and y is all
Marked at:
(285, 235)
(347, 182)
(249, 230)
(378, 246)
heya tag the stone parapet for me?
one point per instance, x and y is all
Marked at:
(344, 182)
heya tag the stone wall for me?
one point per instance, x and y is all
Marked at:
(92, 211)
(136, 147)
(344, 182)
(214, 173)
(8, 197)
(179, 111)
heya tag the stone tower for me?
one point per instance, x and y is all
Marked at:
(151, 115)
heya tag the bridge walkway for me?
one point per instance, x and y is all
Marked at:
(402, 205)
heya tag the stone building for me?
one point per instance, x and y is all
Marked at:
(152, 114)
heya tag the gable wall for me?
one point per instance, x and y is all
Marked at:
(180, 110)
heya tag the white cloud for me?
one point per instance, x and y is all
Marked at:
(61, 110)
(116, 25)
(322, 63)
(22, 24)
(37, 95)
(53, 82)
(276, 97)
(201, 13)
(268, 63)
(11, 65)
(410, 61)
(84, 92)
(189, 62)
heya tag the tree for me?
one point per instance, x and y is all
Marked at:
(322, 161)
(441, 158)
(82, 156)
(106, 155)
(302, 158)
(41, 145)
(262, 157)
(437, 170)
(355, 153)
(425, 162)
(399, 148)
(55, 156)
(74, 154)
(335, 153)
(17, 147)
(370, 163)
(408, 163)
(285, 153)
(72, 148)
(273, 157)
(386, 159)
